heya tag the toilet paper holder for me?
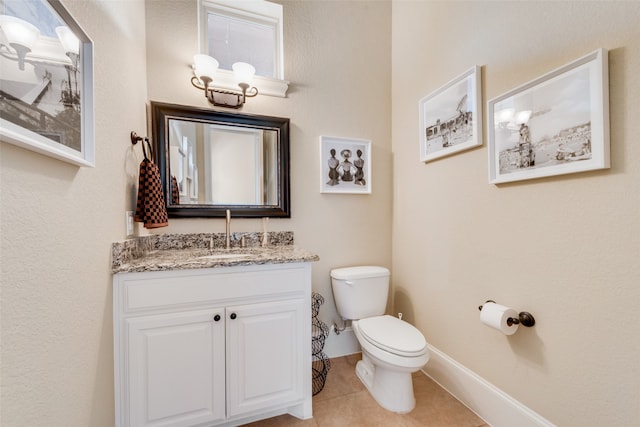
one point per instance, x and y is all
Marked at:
(524, 318)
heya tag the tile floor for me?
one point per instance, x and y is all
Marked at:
(345, 402)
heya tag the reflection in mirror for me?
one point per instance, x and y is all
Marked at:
(212, 161)
(216, 164)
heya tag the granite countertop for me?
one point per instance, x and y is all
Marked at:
(190, 251)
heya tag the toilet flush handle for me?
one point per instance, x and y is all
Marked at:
(348, 282)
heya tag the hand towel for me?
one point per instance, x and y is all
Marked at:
(150, 209)
(175, 191)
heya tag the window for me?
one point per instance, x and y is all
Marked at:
(245, 31)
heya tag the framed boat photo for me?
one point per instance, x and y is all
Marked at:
(46, 81)
(556, 124)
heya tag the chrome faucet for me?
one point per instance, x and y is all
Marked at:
(228, 241)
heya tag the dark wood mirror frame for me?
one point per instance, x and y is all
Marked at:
(161, 113)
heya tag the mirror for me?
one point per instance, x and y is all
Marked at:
(211, 161)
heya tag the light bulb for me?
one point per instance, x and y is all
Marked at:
(243, 72)
(69, 41)
(204, 66)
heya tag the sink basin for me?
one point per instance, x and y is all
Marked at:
(224, 256)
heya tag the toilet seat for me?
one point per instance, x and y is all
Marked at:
(393, 335)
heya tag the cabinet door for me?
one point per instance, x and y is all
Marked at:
(176, 368)
(264, 355)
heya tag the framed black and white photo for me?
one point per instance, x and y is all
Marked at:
(451, 117)
(46, 81)
(345, 165)
(555, 124)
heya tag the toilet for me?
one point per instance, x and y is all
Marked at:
(392, 349)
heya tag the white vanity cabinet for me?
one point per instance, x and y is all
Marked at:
(215, 346)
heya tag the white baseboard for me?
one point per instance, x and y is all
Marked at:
(490, 403)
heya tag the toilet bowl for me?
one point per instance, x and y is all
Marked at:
(388, 361)
(392, 349)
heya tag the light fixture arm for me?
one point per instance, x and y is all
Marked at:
(237, 98)
(21, 54)
(248, 91)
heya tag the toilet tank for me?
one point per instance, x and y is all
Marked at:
(360, 292)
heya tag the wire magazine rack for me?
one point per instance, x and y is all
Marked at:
(320, 364)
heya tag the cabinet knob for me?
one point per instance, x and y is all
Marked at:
(233, 316)
(216, 317)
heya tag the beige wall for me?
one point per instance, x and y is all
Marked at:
(566, 249)
(57, 225)
(58, 221)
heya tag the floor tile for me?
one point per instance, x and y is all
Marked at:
(341, 379)
(345, 402)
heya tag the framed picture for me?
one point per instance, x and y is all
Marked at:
(451, 117)
(555, 124)
(46, 81)
(345, 165)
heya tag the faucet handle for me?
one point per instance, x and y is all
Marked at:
(228, 230)
(265, 235)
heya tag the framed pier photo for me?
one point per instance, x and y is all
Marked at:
(555, 124)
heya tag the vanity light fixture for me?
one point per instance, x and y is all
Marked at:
(205, 67)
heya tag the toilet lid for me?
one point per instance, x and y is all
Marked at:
(393, 335)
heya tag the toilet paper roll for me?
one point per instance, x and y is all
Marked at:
(496, 315)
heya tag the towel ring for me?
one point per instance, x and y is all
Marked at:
(135, 139)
